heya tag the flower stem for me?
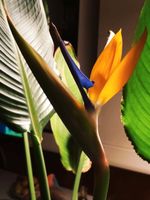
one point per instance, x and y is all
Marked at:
(78, 177)
(101, 173)
(29, 166)
(101, 168)
(41, 169)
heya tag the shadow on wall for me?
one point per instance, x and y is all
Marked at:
(115, 15)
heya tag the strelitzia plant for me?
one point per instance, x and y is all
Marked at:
(109, 73)
(104, 84)
(82, 119)
(83, 125)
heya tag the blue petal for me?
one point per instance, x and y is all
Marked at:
(81, 80)
(78, 75)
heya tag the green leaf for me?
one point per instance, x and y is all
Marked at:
(143, 20)
(136, 94)
(22, 100)
(69, 148)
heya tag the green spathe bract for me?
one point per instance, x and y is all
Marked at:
(136, 94)
(81, 124)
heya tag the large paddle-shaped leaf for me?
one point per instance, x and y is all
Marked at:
(22, 100)
(70, 150)
(136, 94)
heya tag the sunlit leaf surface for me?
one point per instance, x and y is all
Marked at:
(29, 18)
(136, 94)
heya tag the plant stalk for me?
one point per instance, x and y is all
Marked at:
(101, 168)
(29, 167)
(41, 169)
(101, 174)
(78, 177)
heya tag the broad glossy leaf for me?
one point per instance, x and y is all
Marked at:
(70, 150)
(136, 94)
(16, 79)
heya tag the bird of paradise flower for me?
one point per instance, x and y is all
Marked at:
(109, 73)
(108, 76)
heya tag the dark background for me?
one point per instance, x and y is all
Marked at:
(124, 184)
(65, 14)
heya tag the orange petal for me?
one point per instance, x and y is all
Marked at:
(123, 72)
(105, 65)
